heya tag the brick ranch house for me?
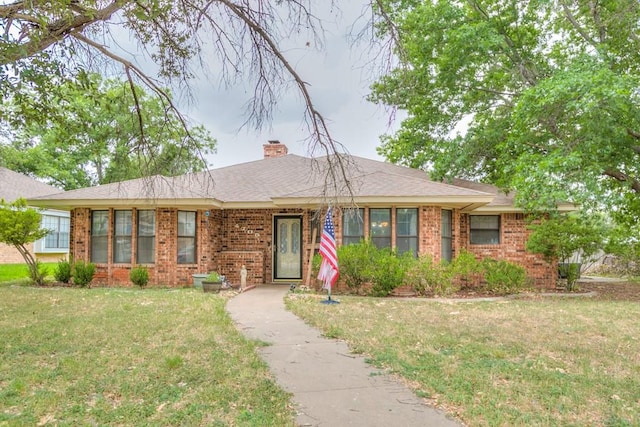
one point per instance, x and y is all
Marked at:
(263, 214)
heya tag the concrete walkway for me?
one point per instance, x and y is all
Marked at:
(330, 386)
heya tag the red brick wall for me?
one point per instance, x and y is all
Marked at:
(230, 238)
(513, 238)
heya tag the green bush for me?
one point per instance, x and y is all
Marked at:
(139, 276)
(83, 273)
(503, 277)
(388, 271)
(466, 270)
(428, 278)
(356, 264)
(63, 271)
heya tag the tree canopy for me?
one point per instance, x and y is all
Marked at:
(538, 96)
(46, 41)
(94, 136)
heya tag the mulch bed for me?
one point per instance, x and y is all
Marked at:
(612, 291)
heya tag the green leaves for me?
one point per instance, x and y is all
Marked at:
(99, 133)
(19, 224)
(536, 96)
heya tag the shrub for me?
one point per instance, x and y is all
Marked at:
(355, 264)
(62, 272)
(213, 276)
(83, 273)
(503, 277)
(139, 276)
(466, 270)
(429, 278)
(388, 271)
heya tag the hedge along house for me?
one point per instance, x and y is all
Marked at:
(264, 215)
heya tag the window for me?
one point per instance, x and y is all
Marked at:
(352, 226)
(99, 236)
(407, 231)
(380, 227)
(186, 237)
(58, 237)
(146, 242)
(122, 237)
(447, 235)
(484, 229)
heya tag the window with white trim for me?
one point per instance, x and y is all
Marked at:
(447, 235)
(58, 237)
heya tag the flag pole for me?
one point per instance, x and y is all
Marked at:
(329, 252)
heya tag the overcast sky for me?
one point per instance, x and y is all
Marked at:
(339, 80)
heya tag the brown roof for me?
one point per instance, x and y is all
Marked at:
(287, 180)
(14, 185)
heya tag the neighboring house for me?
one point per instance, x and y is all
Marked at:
(55, 245)
(264, 215)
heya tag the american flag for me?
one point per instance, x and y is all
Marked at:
(329, 268)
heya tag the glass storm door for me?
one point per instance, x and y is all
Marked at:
(287, 247)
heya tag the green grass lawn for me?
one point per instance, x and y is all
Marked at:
(20, 272)
(129, 357)
(544, 362)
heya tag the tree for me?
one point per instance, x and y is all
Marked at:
(46, 42)
(537, 96)
(95, 136)
(19, 226)
(563, 236)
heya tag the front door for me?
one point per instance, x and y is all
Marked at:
(287, 249)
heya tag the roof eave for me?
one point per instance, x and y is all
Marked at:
(191, 203)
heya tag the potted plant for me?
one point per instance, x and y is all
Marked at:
(212, 283)
(198, 278)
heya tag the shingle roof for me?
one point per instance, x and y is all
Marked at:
(14, 185)
(282, 180)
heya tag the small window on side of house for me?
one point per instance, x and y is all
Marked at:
(484, 229)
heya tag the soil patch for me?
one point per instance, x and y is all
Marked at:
(611, 290)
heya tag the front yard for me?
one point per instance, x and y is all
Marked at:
(538, 361)
(129, 357)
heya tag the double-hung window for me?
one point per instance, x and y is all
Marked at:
(352, 226)
(380, 227)
(146, 239)
(407, 231)
(122, 236)
(58, 237)
(99, 236)
(484, 229)
(186, 237)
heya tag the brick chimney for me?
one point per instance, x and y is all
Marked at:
(274, 149)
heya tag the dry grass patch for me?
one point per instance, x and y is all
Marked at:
(129, 357)
(514, 362)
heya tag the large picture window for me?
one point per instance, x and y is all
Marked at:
(407, 231)
(58, 237)
(186, 237)
(99, 236)
(447, 235)
(484, 229)
(352, 226)
(146, 240)
(122, 236)
(380, 227)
